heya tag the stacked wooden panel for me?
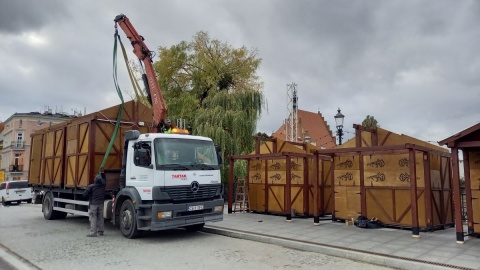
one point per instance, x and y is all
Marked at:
(70, 154)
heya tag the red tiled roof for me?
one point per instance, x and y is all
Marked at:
(313, 125)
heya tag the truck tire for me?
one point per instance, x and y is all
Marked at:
(47, 209)
(195, 228)
(128, 220)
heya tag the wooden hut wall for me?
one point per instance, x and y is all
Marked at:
(474, 164)
(347, 186)
(325, 187)
(386, 179)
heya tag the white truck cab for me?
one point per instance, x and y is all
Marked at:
(168, 181)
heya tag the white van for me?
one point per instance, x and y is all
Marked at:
(15, 191)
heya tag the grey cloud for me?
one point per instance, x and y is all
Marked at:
(27, 15)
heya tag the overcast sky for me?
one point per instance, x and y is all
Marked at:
(413, 65)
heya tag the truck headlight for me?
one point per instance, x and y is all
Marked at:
(218, 208)
(161, 215)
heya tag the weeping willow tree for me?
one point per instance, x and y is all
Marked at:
(214, 87)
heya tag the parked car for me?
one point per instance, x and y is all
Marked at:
(15, 191)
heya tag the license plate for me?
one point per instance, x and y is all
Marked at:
(20, 191)
(195, 207)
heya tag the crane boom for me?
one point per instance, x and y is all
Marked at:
(140, 49)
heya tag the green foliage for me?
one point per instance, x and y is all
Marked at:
(370, 122)
(215, 88)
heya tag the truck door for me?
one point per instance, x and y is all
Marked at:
(142, 169)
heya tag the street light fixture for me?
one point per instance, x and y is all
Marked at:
(339, 121)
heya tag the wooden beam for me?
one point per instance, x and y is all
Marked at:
(457, 196)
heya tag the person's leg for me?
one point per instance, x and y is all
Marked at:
(92, 215)
(100, 221)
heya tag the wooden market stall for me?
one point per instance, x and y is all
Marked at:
(372, 177)
(468, 141)
(281, 179)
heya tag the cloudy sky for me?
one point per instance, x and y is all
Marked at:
(413, 65)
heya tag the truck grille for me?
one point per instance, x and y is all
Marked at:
(183, 193)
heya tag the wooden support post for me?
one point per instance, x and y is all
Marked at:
(468, 192)
(257, 145)
(321, 183)
(457, 197)
(332, 177)
(266, 186)
(306, 186)
(316, 214)
(413, 194)
(230, 185)
(288, 188)
(363, 190)
(428, 191)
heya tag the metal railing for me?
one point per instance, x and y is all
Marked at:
(17, 144)
(16, 168)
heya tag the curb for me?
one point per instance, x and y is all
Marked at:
(356, 255)
(14, 260)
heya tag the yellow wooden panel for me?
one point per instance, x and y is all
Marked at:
(341, 202)
(35, 159)
(366, 139)
(391, 162)
(435, 161)
(256, 165)
(476, 210)
(328, 200)
(256, 197)
(256, 177)
(83, 179)
(277, 177)
(475, 178)
(392, 178)
(84, 138)
(353, 202)
(402, 204)
(347, 177)
(49, 143)
(327, 172)
(436, 195)
(70, 171)
(57, 171)
(421, 208)
(380, 205)
(297, 203)
(276, 199)
(297, 164)
(474, 158)
(275, 165)
(347, 163)
(446, 171)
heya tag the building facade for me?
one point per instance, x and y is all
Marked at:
(15, 140)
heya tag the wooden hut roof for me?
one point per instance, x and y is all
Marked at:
(469, 137)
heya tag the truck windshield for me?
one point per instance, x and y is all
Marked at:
(185, 154)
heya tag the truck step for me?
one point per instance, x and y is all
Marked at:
(144, 217)
(145, 206)
(144, 228)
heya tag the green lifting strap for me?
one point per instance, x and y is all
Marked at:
(119, 117)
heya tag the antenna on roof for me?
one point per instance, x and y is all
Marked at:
(291, 125)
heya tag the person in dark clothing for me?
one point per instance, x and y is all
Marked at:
(96, 196)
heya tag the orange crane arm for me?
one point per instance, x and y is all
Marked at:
(145, 56)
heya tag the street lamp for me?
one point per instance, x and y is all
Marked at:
(339, 121)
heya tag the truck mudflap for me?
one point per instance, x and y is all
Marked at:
(169, 216)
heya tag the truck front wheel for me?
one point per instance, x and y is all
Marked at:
(128, 220)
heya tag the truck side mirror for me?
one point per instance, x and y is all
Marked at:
(218, 149)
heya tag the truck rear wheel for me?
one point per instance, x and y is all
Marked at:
(128, 220)
(47, 209)
(194, 228)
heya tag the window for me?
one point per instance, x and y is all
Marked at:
(18, 184)
(194, 153)
(142, 154)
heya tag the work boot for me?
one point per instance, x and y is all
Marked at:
(92, 235)
(100, 233)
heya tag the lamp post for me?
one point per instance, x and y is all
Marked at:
(339, 121)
